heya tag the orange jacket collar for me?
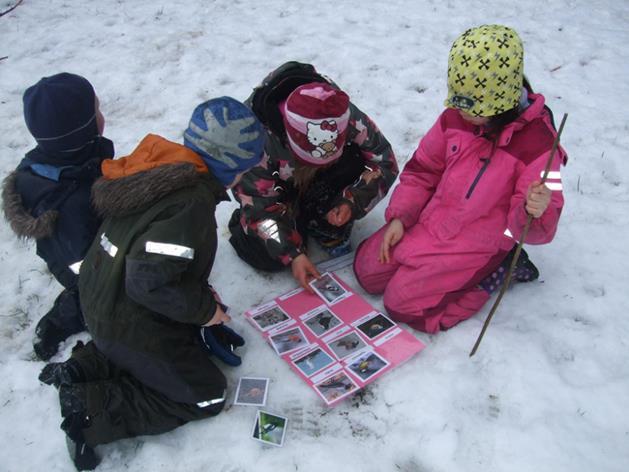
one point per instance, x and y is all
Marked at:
(153, 151)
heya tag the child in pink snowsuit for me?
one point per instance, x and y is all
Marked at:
(465, 195)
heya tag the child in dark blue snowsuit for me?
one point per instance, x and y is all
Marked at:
(47, 197)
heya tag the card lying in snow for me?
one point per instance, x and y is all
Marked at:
(333, 339)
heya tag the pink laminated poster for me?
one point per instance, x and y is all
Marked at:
(333, 339)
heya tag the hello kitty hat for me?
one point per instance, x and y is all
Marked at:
(315, 117)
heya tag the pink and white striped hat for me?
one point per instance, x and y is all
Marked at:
(315, 117)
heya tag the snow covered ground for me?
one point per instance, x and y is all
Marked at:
(546, 389)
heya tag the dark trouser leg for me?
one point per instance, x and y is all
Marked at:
(325, 193)
(333, 239)
(86, 364)
(63, 320)
(124, 407)
(250, 249)
(110, 404)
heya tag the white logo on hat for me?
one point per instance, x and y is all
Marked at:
(323, 137)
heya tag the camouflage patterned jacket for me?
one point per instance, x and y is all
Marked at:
(265, 211)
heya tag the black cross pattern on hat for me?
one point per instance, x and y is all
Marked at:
(499, 110)
(500, 96)
(484, 64)
(480, 83)
(465, 60)
(502, 43)
(479, 98)
(502, 80)
(470, 43)
(460, 79)
(504, 62)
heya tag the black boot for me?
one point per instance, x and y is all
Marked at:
(62, 373)
(83, 456)
(63, 320)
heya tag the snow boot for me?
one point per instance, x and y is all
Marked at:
(62, 321)
(338, 250)
(524, 271)
(83, 456)
(62, 373)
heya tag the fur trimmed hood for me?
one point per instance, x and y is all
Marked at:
(130, 194)
(20, 219)
(155, 169)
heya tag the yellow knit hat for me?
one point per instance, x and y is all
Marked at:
(485, 71)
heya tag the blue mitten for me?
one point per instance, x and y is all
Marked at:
(222, 341)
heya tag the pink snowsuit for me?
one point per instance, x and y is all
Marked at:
(461, 199)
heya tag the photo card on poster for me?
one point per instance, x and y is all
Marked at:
(269, 318)
(329, 289)
(313, 361)
(288, 341)
(252, 391)
(336, 387)
(374, 324)
(321, 321)
(269, 428)
(346, 345)
(366, 364)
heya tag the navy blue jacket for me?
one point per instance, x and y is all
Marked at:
(52, 204)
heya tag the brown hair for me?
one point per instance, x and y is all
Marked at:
(303, 176)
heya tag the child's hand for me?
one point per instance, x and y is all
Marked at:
(340, 215)
(537, 199)
(219, 317)
(392, 236)
(304, 271)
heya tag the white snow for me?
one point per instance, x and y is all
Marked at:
(546, 389)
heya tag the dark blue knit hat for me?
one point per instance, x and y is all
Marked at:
(60, 112)
(227, 135)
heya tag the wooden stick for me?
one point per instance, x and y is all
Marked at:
(518, 250)
(12, 8)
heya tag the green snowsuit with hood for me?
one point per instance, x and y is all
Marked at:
(144, 293)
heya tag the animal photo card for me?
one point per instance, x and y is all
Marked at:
(251, 391)
(269, 428)
(329, 289)
(321, 320)
(332, 339)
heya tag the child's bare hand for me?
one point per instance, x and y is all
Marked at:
(370, 175)
(537, 199)
(340, 215)
(219, 317)
(304, 271)
(392, 236)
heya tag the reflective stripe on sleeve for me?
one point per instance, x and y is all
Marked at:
(553, 174)
(555, 186)
(169, 249)
(76, 267)
(268, 229)
(107, 245)
(211, 402)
